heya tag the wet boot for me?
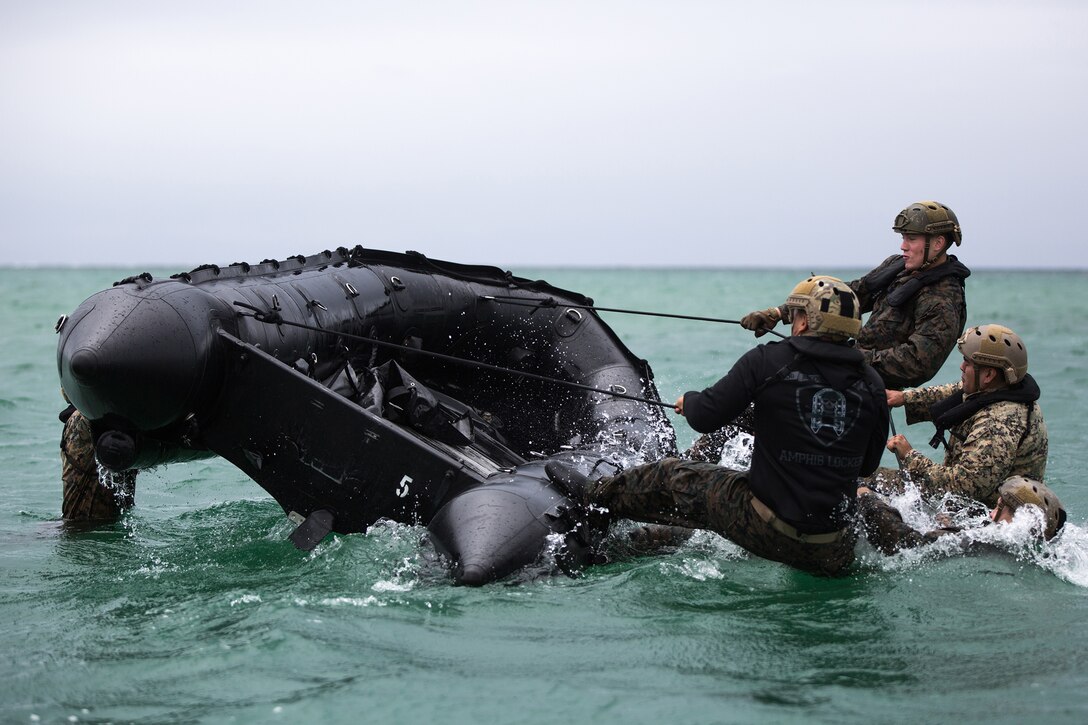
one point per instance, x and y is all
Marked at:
(579, 488)
(568, 478)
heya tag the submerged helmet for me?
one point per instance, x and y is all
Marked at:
(1018, 491)
(831, 307)
(998, 347)
(928, 217)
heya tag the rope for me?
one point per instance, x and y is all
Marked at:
(273, 317)
(551, 302)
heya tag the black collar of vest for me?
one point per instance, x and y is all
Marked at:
(953, 410)
(905, 290)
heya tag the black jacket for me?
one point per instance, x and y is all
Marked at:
(821, 421)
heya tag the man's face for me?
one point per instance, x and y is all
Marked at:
(913, 248)
(968, 376)
(975, 378)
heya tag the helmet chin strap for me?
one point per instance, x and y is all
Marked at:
(978, 378)
(926, 261)
(977, 387)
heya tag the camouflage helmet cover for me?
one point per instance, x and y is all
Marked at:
(928, 217)
(1019, 491)
(830, 305)
(996, 346)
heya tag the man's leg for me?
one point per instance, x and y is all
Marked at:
(887, 480)
(85, 497)
(701, 495)
(886, 530)
(671, 491)
(731, 509)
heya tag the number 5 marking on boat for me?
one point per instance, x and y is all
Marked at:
(402, 489)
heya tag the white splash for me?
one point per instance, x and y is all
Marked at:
(737, 452)
(157, 567)
(697, 569)
(370, 601)
(393, 586)
(246, 599)
(1065, 556)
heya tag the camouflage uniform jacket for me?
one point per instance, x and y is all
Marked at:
(915, 319)
(1002, 439)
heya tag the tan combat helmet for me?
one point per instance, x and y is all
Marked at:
(831, 306)
(1018, 491)
(996, 346)
(929, 218)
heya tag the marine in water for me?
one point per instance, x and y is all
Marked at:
(820, 421)
(88, 495)
(990, 423)
(917, 305)
(886, 530)
(916, 299)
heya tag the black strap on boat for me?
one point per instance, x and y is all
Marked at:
(273, 317)
(552, 302)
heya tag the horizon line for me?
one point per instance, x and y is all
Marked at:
(586, 267)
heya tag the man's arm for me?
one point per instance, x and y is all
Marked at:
(719, 404)
(937, 327)
(984, 458)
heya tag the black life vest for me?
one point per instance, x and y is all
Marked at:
(881, 280)
(953, 410)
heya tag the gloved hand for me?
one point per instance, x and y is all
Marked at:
(761, 321)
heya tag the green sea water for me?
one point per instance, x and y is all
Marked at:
(196, 608)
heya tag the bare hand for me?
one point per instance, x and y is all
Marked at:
(899, 445)
(678, 406)
(895, 398)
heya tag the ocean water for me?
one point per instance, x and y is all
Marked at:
(196, 608)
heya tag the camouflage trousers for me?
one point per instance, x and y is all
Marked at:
(885, 528)
(700, 495)
(85, 496)
(887, 480)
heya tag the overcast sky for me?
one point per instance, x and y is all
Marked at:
(540, 133)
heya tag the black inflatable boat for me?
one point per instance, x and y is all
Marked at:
(358, 384)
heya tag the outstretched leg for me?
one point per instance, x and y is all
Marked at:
(885, 528)
(700, 495)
